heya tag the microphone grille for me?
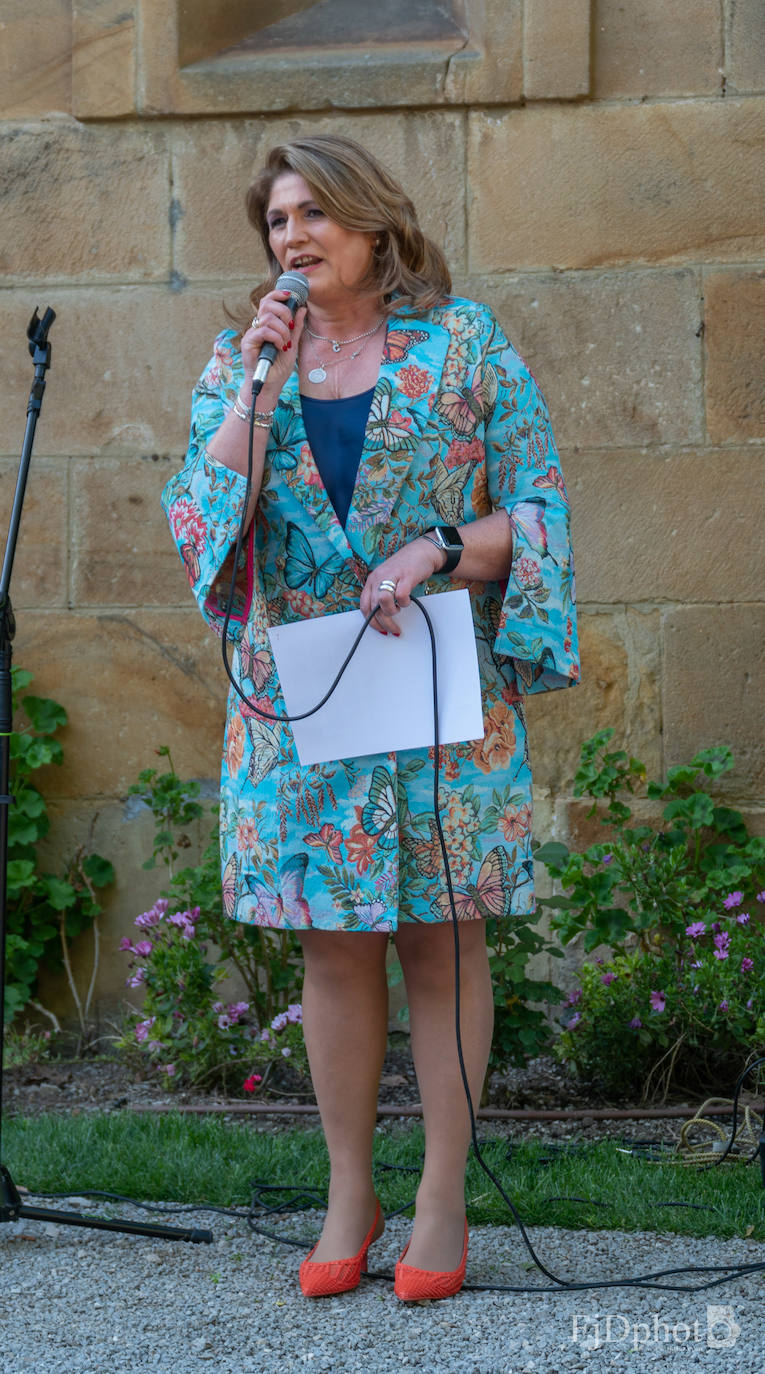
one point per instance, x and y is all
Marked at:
(295, 282)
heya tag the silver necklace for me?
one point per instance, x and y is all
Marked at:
(317, 375)
(337, 344)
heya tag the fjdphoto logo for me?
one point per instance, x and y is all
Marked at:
(593, 1330)
(722, 1328)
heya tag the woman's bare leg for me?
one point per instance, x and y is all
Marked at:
(345, 1023)
(427, 959)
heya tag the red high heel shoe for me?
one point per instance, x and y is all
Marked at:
(322, 1278)
(415, 1285)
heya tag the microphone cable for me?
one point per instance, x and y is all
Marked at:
(649, 1280)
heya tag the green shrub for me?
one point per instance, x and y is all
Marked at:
(186, 950)
(46, 911)
(681, 902)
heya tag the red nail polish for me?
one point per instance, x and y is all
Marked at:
(285, 348)
(289, 345)
(292, 324)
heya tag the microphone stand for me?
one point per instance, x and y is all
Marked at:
(11, 1205)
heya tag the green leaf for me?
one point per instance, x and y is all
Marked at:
(553, 853)
(60, 893)
(46, 715)
(99, 870)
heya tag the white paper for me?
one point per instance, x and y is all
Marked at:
(384, 699)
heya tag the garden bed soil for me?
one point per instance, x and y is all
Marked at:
(110, 1084)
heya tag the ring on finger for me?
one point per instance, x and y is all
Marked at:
(254, 324)
(388, 585)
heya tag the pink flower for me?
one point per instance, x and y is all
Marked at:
(251, 1083)
(169, 1069)
(607, 859)
(608, 978)
(722, 1006)
(279, 1022)
(224, 1022)
(575, 1019)
(747, 965)
(635, 1023)
(143, 1028)
(154, 916)
(237, 1010)
(294, 1014)
(658, 1001)
(144, 948)
(138, 978)
(761, 896)
(696, 929)
(574, 996)
(733, 899)
(722, 942)
(743, 918)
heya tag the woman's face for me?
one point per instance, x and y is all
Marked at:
(304, 239)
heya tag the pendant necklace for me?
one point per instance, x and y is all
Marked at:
(318, 374)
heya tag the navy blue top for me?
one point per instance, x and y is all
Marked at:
(335, 432)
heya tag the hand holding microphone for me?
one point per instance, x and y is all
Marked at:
(269, 345)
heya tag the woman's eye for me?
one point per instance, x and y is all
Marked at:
(275, 223)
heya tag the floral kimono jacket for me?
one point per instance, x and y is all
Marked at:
(457, 429)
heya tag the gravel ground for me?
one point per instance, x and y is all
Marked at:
(84, 1302)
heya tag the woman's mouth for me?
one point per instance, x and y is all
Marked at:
(304, 263)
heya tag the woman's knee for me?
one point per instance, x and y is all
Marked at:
(427, 953)
(337, 954)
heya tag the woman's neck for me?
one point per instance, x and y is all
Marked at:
(343, 319)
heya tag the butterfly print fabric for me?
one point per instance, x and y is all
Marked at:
(457, 429)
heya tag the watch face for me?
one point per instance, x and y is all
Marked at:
(450, 535)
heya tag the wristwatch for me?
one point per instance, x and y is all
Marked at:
(446, 538)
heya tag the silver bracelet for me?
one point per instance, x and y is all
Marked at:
(261, 419)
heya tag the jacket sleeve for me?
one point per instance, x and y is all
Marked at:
(204, 501)
(537, 626)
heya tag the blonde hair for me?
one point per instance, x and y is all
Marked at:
(407, 269)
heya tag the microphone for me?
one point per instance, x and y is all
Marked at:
(298, 286)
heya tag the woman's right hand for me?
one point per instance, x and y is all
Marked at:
(274, 325)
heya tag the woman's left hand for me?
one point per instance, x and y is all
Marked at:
(408, 566)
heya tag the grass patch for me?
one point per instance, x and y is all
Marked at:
(174, 1158)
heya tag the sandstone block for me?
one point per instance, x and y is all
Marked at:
(40, 568)
(129, 682)
(124, 363)
(735, 339)
(103, 58)
(122, 552)
(83, 203)
(746, 45)
(213, 236)
(556, 49)
(35, 58)
(656, 47)
(616, 354)
(425, 58)
(619, 687)
(584, 186)
(672, 527)
(714, 667)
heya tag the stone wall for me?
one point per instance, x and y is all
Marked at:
(594, 171)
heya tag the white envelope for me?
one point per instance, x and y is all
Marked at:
(384, 699)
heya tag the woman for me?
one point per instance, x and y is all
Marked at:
(392, 408)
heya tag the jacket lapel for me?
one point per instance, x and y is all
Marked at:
(413, 360)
